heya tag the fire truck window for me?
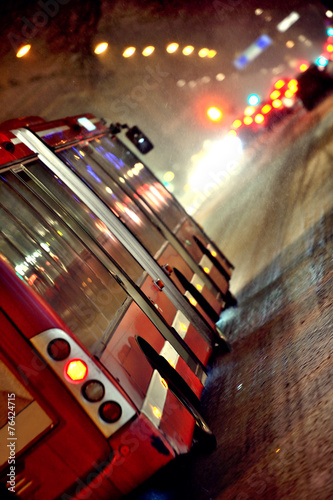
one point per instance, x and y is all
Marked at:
(52, 253)
(111, 154)
(82, 161)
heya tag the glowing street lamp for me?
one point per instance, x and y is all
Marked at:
(172, 47)
(148, 51)
(211, 53)
(101, 47)
(203, 52)
(215, 114)
(188, 50)
(129, 52)
(23, 50)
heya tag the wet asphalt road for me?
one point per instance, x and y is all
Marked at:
(270, 401)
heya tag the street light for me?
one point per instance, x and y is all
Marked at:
(101, 47)
(129, 52)
(23, 50)
(214, 114)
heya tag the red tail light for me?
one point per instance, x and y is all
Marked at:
(110, 411)
(279, 84)
(275, 94)
(277, 103)
(266, 109)
(259, 118)
(59, 349)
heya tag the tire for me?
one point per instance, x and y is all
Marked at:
(204, 439)
(222, 346)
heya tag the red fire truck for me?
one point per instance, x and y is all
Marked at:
(109, 298)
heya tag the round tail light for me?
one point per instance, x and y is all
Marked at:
(110, 411)
(76, 371)
(93, 391)
(59, 349)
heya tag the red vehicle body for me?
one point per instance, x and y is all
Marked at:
(103, 276)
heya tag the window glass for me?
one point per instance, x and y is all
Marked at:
(112, 154)
(81, 159)
(63, 257)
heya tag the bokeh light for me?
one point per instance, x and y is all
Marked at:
(101, 47)
(23, 50)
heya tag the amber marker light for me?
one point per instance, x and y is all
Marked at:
(23, 50)
(147, 51)
(171, 363)
(129, 52)
(101, 47)
(157, 412)
(76, 371)
(164, 383)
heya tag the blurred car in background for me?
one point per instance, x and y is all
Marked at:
(264, 116)
(314, 85)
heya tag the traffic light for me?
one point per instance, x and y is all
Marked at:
(321, 61)
(214, 113)
(210, 110)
